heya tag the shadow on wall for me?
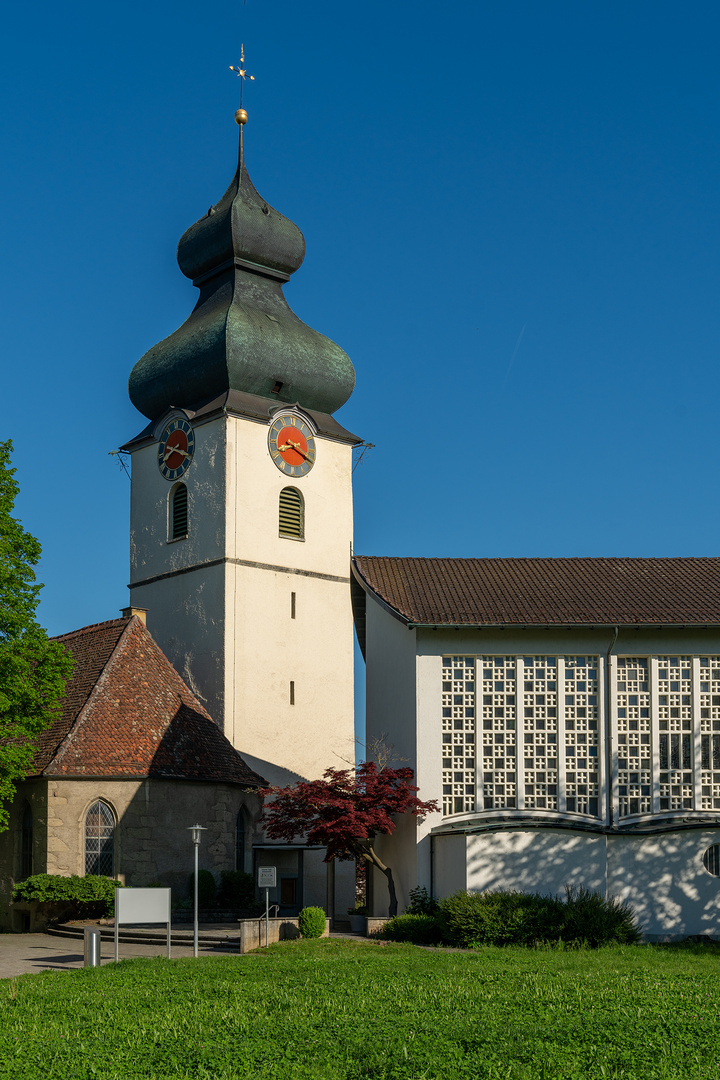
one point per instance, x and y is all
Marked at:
(194, 777)
(662, 875)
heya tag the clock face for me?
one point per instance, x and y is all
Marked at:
(291, 445)
(176, 448)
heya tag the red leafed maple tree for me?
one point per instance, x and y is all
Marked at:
(345, 811)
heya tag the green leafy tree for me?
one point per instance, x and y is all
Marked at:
(33, 670)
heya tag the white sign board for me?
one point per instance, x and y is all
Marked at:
(142, 906)
(267, 877)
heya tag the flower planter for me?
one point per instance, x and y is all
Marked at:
(358, 923)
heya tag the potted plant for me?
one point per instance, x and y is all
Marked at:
(358, 918)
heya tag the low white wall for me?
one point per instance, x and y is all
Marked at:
(662, 876)
(535, 860)
(664, 879)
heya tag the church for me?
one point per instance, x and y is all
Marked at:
(240, 546)
(564, 713)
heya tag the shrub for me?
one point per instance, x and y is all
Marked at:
(312, 922)
(89, 897)
(206, 888)
(418, 929)
(504, 917)
(596, 920)
(508, 917)
(421, 902)
(237, 889)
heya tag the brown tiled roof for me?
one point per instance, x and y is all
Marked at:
(127, 713)
(545, 592)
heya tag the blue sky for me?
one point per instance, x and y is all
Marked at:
(512, 227)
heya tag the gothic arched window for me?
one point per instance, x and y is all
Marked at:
(292, 513)
(99, 839)
(178, 512)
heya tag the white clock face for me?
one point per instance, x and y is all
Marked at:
(292, 445)
(176, 448)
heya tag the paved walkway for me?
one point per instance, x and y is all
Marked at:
(21, 954)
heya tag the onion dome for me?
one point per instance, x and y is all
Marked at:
(242, 335)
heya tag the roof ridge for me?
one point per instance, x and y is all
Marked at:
(92, 627)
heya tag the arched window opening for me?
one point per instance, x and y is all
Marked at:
(178, 512)
(240, 837)
(711, 860)
(292, 513)
(99, 837)
(26, 843)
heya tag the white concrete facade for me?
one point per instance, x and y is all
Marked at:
(647, 850)
(259, 625)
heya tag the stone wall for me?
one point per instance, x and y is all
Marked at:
(152, 842)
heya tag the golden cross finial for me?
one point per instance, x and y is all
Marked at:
(241, 72)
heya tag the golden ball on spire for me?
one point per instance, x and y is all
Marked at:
(241, 117)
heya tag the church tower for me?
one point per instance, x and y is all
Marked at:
(241, 506)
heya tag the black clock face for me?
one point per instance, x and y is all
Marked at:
(291, 444)
(176, 448)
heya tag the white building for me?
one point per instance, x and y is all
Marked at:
(565, 713)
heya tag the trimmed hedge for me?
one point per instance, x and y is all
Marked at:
(417, 929)
(89, 897)
(311, 922)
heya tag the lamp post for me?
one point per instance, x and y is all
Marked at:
(196, 831)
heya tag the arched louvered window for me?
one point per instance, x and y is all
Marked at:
(292, 513)
(26, 841)
(99, 839)
(178, 512)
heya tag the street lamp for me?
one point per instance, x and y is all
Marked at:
(196, 831)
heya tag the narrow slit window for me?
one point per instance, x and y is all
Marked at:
(240, 841)
(292, 513)
(292, 605)
(26, 860)
(292, 692)
(179, 513)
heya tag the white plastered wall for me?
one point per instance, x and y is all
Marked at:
(227, 627)
(391, 718)
(662, 874)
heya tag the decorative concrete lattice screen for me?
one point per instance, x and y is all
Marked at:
(675, 740)
(458, 734)
(664, 707)
(710, 732)
(581, 720)
(499, 720)
(665, 724)
(540, 731)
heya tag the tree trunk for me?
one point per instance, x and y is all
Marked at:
(370, 855)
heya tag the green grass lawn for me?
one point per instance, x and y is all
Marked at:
(345, 1009)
